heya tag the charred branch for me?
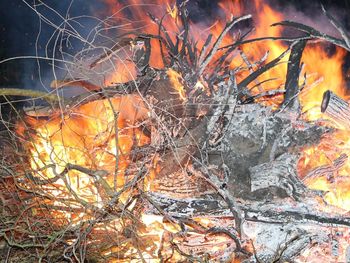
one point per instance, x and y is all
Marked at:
(313, 33)
(292, 79)
(245, 82)
(273, 213)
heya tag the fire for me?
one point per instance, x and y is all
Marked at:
(335, 184)
(323, 72)
(100, 135)
(175, 79)
(328, 69)
(88, 137)
(172, 10)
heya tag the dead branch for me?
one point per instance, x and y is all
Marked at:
(213, 50)
(57, 84)
(49, 97)
(338, 26)
(314, 33)
(122, 42)
(292, 79)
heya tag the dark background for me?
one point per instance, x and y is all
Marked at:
(20, 26)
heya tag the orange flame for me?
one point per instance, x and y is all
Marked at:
(87, 135)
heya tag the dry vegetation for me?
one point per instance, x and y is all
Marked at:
(88, 202)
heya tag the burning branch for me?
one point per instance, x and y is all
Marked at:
(203, 64)
(180, 163)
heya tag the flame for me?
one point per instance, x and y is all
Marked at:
(87, 136)
(175, 79)
(172, 10)
(323, 71)
(327, 68)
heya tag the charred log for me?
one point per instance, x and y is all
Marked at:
(257, 136)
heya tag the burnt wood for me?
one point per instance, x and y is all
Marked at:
(292, 78)
(337, 109)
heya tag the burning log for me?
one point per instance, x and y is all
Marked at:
(336, 108)
(329, 171)
(149, 169)
(254, 126)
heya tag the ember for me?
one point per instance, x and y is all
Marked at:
(189, 142)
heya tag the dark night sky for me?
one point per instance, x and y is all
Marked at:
(20, 24)
(19, 27)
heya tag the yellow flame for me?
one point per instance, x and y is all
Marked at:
(175, 79)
